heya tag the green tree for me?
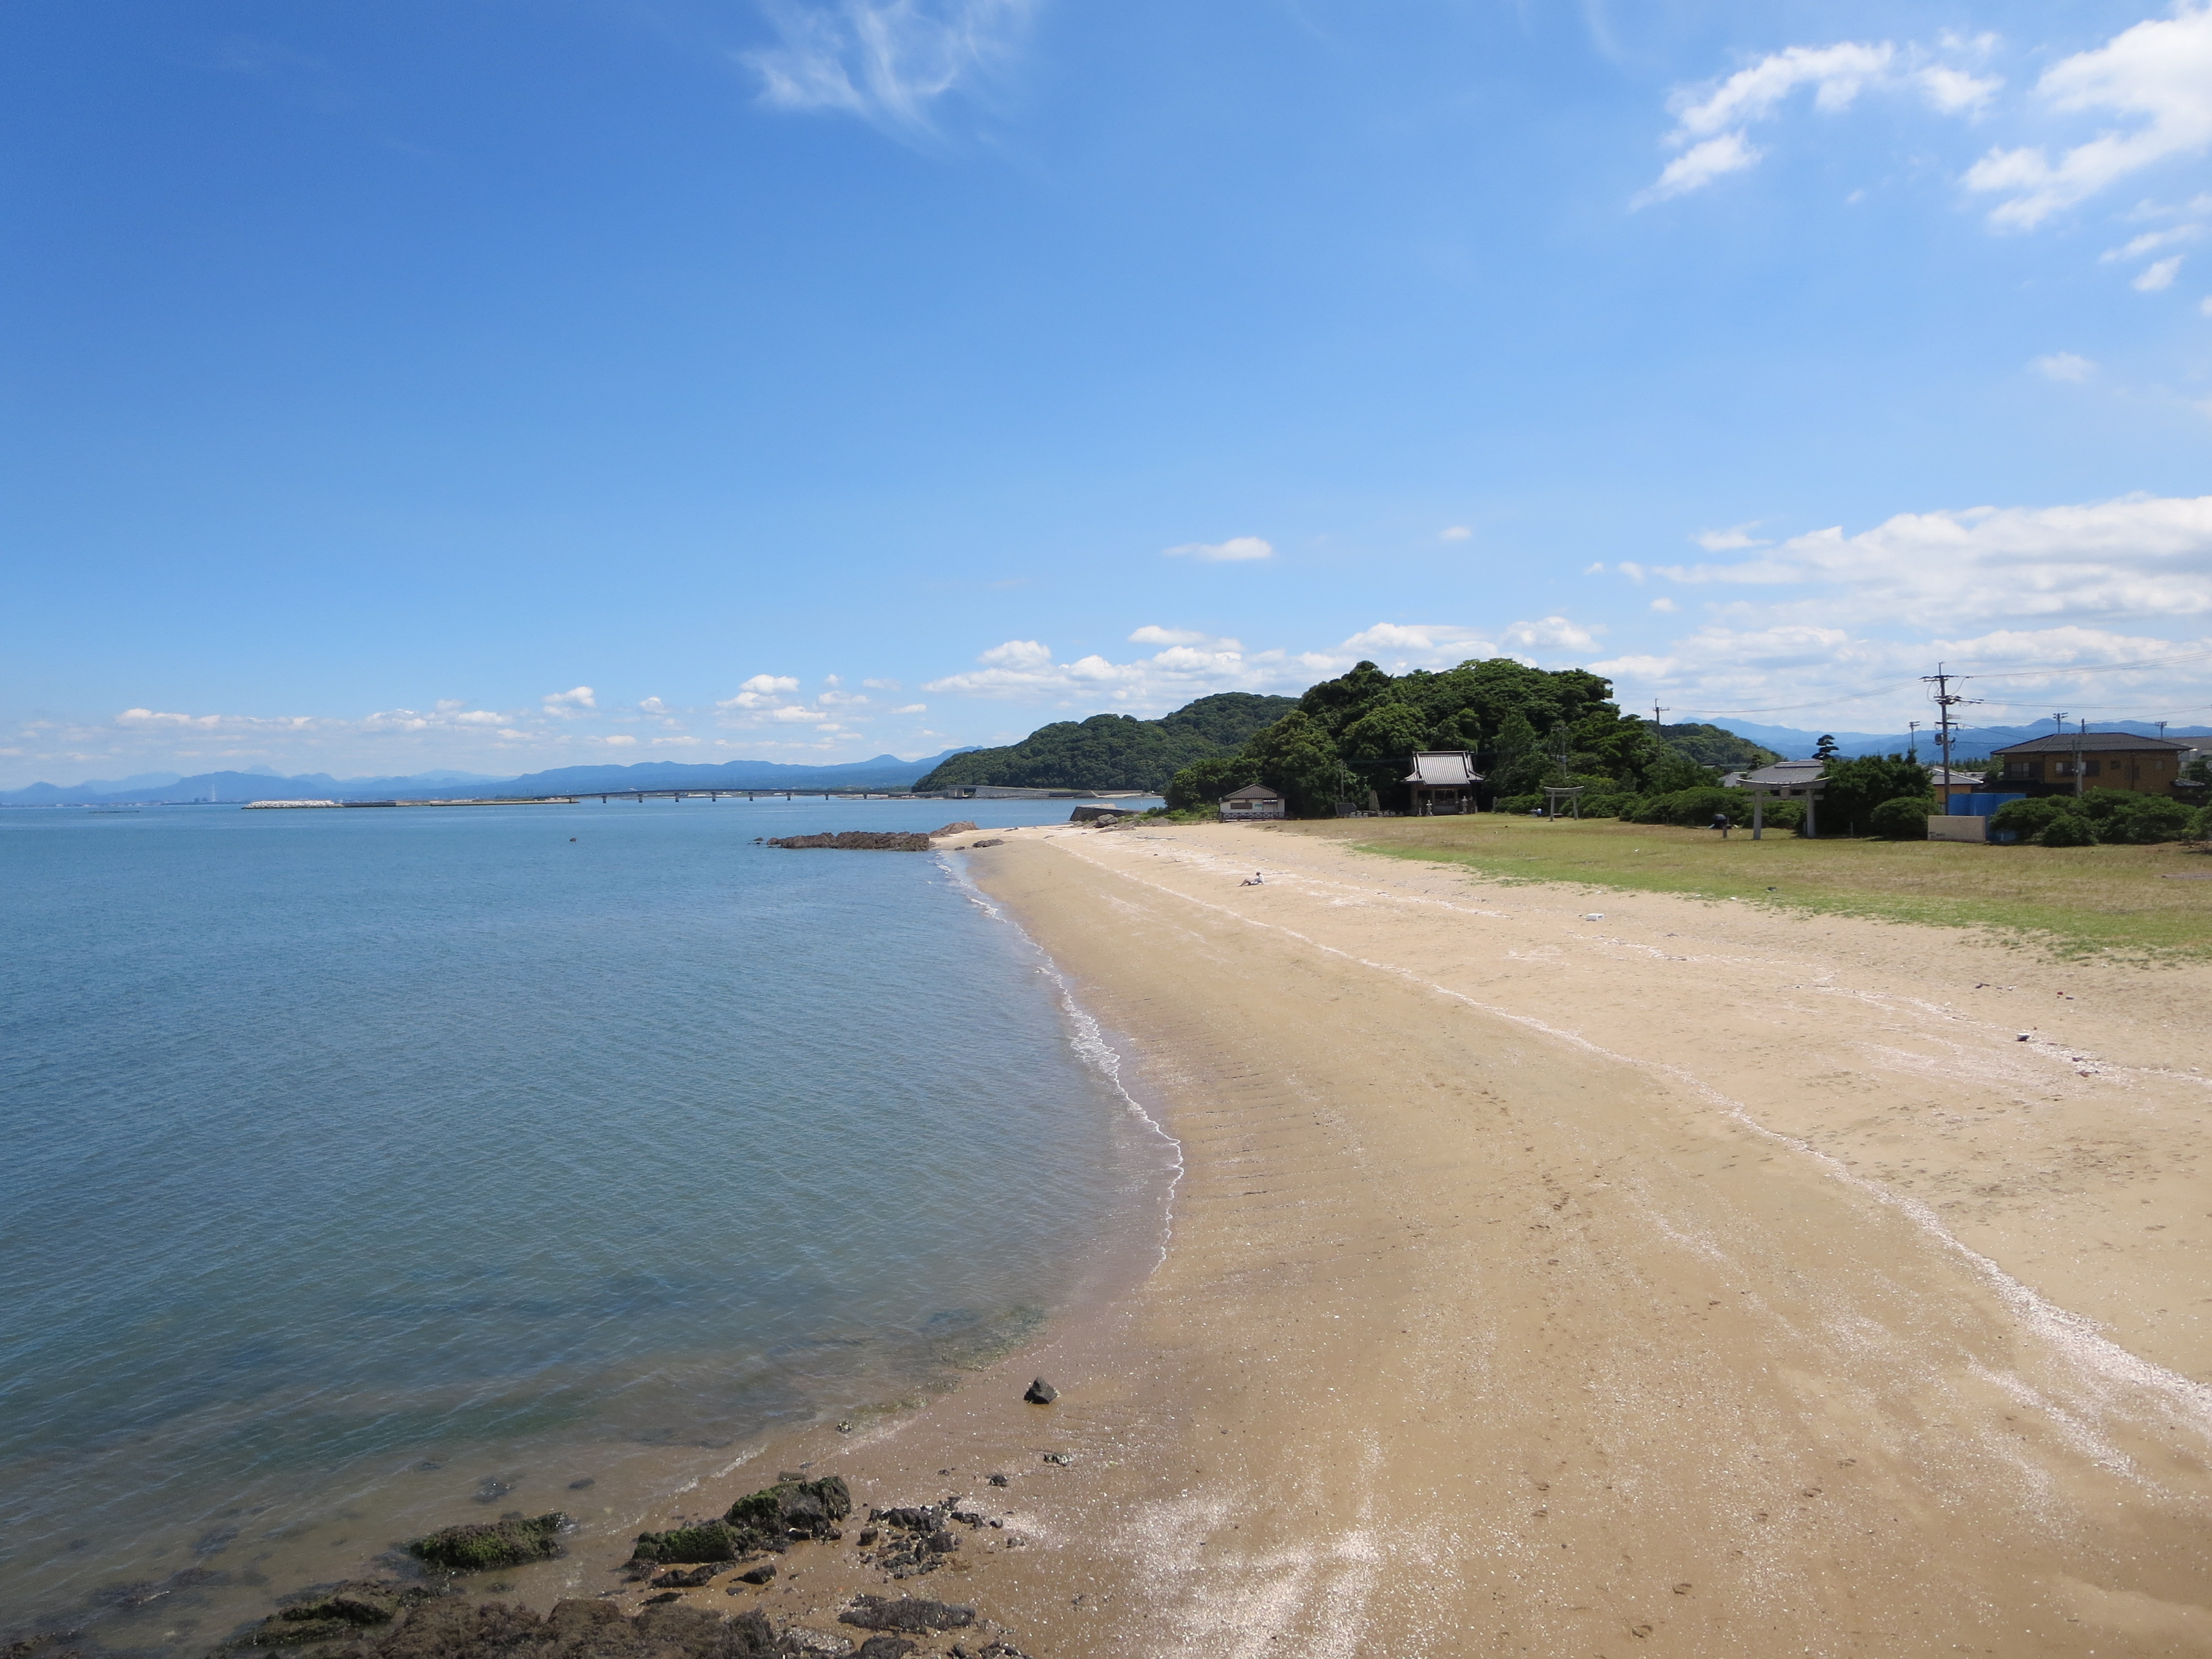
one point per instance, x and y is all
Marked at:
(1295, 758)
(1205, 782)
(1855, 787)
(1826, 749)
(1379, 745)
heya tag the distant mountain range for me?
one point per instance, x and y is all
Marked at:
(883, 772)
(1967, 743)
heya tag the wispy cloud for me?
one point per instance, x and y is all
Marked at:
(2158, 73)
(1235, 549)
(887, 62)
(1712, 122)
(2063, 365)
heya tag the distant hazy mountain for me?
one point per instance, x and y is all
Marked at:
(883, 772)
(1967, 743)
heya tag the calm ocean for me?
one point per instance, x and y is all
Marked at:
(366, 1166)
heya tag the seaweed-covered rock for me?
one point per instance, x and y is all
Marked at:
(964, 827)
(808, 1508)
(717, 1541)
(361, 1601)
(907, 1613)
(513, 1540)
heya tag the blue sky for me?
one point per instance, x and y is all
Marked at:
(498, 385)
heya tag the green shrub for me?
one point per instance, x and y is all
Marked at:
(1693, 809)
(2068, 829)
(2024, 820)
(1523, 804)
(509, 1541)
(2200, 827)
(2146, 820)
(1904, 819)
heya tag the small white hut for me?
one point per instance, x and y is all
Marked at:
(1254, 800)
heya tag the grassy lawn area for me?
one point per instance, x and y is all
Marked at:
(2072, 900)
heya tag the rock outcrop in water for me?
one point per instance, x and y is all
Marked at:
(510, 1542)
(859, 841)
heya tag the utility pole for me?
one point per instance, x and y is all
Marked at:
(1946, 699)
(1912, 739)
(1658, 726)
(2081, 727)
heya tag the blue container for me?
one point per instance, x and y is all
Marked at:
(1979, 805)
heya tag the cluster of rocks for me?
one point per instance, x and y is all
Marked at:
(906, 1541)
(389, 1619)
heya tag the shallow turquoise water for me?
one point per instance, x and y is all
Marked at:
(363, 1163)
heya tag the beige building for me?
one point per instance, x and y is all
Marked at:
(2071, 762)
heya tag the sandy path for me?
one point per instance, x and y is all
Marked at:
(1475, 1337)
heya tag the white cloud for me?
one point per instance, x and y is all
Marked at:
(2158, 73)
(883, 685)
(1025, 670)
(1699, 165)
(621, 740)
(792, 714)
(675, 743)
(570, 703)
(912, 709)
(1804, 675)
(1712, 122)
(1553, 633)
(1150, 634)
(2137, 556)
(2150, 241)
(1458, 532)
(1727, 541)
(2159, 276)
(655, 706)
(887, 61)
(1235, 548)
(760, 684)
(2063, 365)
(1662, 603)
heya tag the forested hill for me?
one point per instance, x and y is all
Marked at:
(1115, 752)
(1711, 745)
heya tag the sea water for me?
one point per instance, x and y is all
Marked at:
(364, 1166)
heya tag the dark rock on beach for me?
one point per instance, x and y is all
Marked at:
(995, 841)
(907, 1612)
(759, 1575)
(798, 1507)
(962, 828)
(886, 1647)
(513, 1540)
(717, 1541)
(687, 1578)
(1042, 1393)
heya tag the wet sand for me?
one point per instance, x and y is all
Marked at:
(1699, 1281)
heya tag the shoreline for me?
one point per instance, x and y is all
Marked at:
(1507, 1308)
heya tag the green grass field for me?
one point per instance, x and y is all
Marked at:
(2072, 900)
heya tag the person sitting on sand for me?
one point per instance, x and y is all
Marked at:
(1255, 882)
(1720, 823)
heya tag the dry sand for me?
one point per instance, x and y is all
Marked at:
(1696, 1280)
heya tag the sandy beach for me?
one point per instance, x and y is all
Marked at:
(1561, 1275)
